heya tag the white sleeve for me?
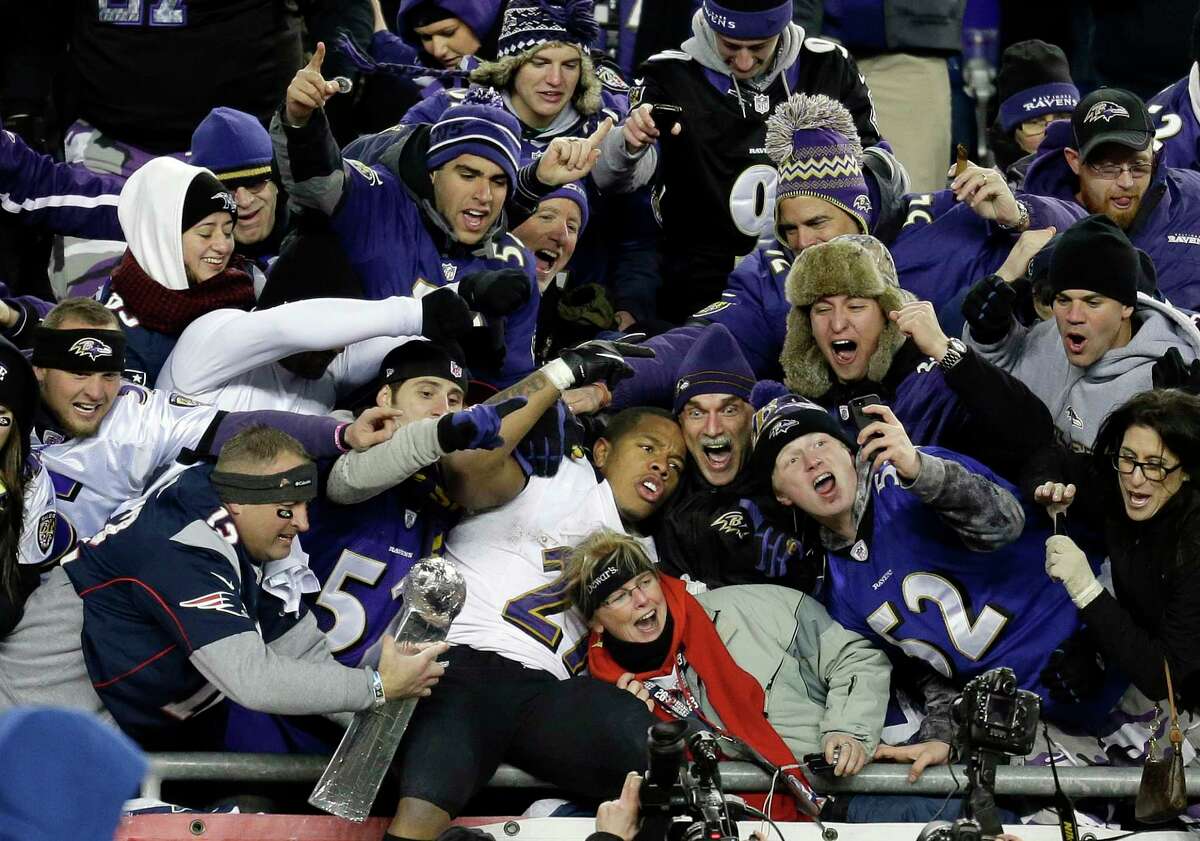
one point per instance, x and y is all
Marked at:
(222, 345)
(40, 539)
(172, 422)
(359, 363)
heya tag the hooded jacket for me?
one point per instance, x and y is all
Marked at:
(1167, 225)
(1080, 398)
(1176, 110)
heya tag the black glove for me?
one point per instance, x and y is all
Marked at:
(484, 348)
(1170, 371)
(476, 428)
(495, 293)
(1075, 670)
(602, 360)
(444, 315)
(988, 308)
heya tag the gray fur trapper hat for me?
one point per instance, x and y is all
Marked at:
(857, 265)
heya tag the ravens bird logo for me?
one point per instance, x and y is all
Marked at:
(91, 347)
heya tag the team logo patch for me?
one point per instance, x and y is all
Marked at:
(782, 427)
(611, 78)
(1074, 418)
(181, 401)
(219, 601)
(1105, 110)
(134, 376)
(92, 348)
(50, 438)
(3, 373)
(366, 172)
(762, 103)
(681, 385)
(449, 270)
(456, 370)
(410, 518)
(45, 531)
(712, 309)
(227, 202)
(859, 551)
(636, 92)
(862, 204)
(732, 522)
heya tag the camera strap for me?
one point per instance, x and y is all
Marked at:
(1067, 824)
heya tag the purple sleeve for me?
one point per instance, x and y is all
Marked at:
(390, 47)
(428, 110)
(653, 380)
(319, 434)
(1045, 211)
(65, 198)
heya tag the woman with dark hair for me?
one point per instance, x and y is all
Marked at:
(32, 536)
(1136, 488)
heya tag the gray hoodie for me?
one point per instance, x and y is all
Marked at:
(1080, 398)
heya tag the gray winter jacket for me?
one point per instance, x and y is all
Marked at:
(819, 677)
(1080, 398)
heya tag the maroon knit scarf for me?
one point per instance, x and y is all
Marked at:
(171, 310)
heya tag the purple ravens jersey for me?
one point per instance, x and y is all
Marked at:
(909, 580)
(362, 553)
(1177, 128)
(160, 581)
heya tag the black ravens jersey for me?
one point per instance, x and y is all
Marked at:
(716, 185)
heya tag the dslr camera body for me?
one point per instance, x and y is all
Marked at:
(995, 720)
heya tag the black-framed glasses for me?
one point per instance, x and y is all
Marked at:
(621, 597)
(1111, 172)
(1154, 471)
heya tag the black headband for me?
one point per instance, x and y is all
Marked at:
(299, 484)
(89, 349)
(607, 579)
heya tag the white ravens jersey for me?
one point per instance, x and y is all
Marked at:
(511, 559)
(137, 443)
(44, 535)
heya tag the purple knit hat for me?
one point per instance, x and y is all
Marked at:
(481, 126)
(532, 23)
(747, 19)
(714, 365)
(576, 193)
(813, 142)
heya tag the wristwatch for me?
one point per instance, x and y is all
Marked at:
(955, 350)
(379, 698)
(1022, 218)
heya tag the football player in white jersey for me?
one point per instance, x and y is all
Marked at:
(509, 694)
(105, 441)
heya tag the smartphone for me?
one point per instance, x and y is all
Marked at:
(665, 117)
(856, 406)
(816, 763)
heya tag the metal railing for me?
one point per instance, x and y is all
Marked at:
(878, 778)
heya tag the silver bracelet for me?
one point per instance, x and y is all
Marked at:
(1022, 218)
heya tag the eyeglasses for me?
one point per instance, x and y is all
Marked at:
(1154, 471)
(621, 597)
(1037, 126)
(1111, 171)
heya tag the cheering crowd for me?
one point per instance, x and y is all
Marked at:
(732, 398)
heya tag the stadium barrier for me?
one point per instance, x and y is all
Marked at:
(880, 778)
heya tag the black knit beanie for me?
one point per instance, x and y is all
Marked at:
(1034, 79)
(206, 195)
(1094, 254)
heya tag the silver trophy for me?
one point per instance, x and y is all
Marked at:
(434, 592)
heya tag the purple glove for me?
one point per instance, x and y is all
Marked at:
(476, 428)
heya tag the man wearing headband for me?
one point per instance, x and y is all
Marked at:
(172, 618)
(105, 441)
(744, 58)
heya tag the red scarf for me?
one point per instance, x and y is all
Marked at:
(171, 310)
(738, 698)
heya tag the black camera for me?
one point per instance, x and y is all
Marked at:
(993, 715)
(682, 802)
(995, 720)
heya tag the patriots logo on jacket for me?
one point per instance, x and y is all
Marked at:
(1075, 420)
(1105, 110)
(219, 601)
(91, 348)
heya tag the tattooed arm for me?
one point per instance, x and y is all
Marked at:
(482, 479)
